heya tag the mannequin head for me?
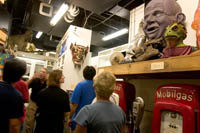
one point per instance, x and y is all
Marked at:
(158, 14)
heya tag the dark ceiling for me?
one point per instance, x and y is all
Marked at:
(101, 16)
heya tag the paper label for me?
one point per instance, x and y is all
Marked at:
(157, 66)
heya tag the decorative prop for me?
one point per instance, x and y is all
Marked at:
(139, 40)
(20, 42)
(116, 58)
(149, 50)
(158, 14)
(174, 36)
(79, 53)
(196, 25)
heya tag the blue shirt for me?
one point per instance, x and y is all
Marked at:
(11, 105)
(83, 95)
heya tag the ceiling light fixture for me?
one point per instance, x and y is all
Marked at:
(39, 34)
(59, 14)
(116, 34)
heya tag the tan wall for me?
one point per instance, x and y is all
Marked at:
(146, 88)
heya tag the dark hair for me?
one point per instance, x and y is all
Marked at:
(54, 78)
(13, 70)
(89, 72)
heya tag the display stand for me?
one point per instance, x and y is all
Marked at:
(182, 67)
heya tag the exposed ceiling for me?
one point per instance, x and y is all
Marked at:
(101, 16)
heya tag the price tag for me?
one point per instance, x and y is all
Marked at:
(157, 66)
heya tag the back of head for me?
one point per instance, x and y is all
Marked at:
(54, 78)
(89, 72)
(13, 70)
(104, 84)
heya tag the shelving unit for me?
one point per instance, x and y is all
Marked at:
(182, 67)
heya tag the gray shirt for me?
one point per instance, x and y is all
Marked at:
(101, 117)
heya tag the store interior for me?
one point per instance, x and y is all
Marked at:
(84, 36)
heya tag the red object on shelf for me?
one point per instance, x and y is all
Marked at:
(196, 24)
(177, 109)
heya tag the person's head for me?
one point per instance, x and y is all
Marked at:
(43, 73)
(158, 14)
(104, 84)
(13, 70)
(89, 72)
(55, 78)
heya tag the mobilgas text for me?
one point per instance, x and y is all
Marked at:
(174, 94)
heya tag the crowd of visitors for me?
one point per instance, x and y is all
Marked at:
(49, 107)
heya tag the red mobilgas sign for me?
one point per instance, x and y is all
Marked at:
(176, 109)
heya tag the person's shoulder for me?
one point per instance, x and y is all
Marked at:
(89, 107)
(44, 90)
(20, 83)
(7, 88)
(116, 107)
(82, 82)
(86, 82)
(62, 91)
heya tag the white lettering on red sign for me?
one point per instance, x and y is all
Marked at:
(173, 94)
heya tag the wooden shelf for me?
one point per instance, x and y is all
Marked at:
(181, 67)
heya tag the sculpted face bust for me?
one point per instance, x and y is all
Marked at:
(158, 14)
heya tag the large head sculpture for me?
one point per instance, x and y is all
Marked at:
(158, 14)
